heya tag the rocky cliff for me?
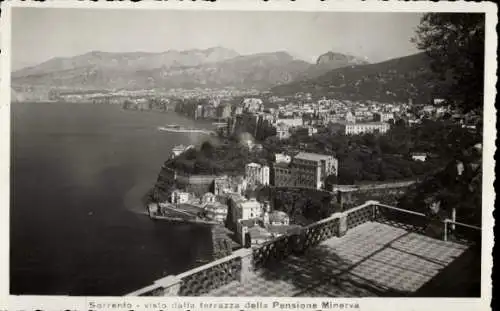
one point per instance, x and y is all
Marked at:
(332, 60)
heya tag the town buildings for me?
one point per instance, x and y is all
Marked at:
(179, 197)
(282, 131)
(290, 122)
(282, 158)
(308, 170)
(312, 169)
(257, 174)
(254, 222)
(224, 111)
(216, 211)
(252, 105)
(368, 127)
(229, 184)
(383, 116)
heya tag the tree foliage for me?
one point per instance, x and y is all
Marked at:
(455, 42)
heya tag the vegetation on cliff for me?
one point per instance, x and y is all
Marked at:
(303, 206)
(455, 43)
(214, 158)
(457, 186)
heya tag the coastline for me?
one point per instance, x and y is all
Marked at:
(183, 130)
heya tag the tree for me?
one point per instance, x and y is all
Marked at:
(455, 43)
(207, 149)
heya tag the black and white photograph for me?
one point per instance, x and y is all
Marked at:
(250, 153)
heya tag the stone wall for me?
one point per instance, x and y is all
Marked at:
(353, 195)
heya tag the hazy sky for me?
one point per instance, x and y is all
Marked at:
(39, 34)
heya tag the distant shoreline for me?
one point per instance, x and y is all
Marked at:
(184, 130)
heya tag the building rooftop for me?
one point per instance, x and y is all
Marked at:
(370, 123)
(253, 164)
(311, 156)
(249, 203)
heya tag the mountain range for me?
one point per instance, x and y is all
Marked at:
(333, 74)
(214, 67)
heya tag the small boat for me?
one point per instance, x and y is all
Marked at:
(172, 126)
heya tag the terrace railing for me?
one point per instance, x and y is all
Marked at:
(311, 235)
(408, 220)
(460, 232)
(240, 265)
(320, 231)
(203, 279)
(360, 214)
(274, 250)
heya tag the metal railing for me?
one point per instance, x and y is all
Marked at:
(460, 232)
(398, 217)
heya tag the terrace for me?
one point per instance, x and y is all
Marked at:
(371, 250)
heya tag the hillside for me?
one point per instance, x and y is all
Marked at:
(212, 68)
(394, 80)
(458, 185)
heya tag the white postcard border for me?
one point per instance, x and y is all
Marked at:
(83, 303)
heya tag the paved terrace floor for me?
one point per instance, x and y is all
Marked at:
(373, 259)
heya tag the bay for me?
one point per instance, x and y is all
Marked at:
(78, 172)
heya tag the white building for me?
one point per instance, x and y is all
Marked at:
(179, 197)
(247, 209)
(282, 158)
(256, 173)
(369, 127)
(290, 122)
(208, 198)
(350, 118)
(265, 172)
(311, 130)
(439, 101)
(419, 156)
(384, 116)
(441, 110)
(429, 109)
(252, 104)
(282, 131)
(276, 218)
(216, 211)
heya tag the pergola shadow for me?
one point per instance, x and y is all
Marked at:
(322, 272)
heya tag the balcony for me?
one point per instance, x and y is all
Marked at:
(373, 250)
